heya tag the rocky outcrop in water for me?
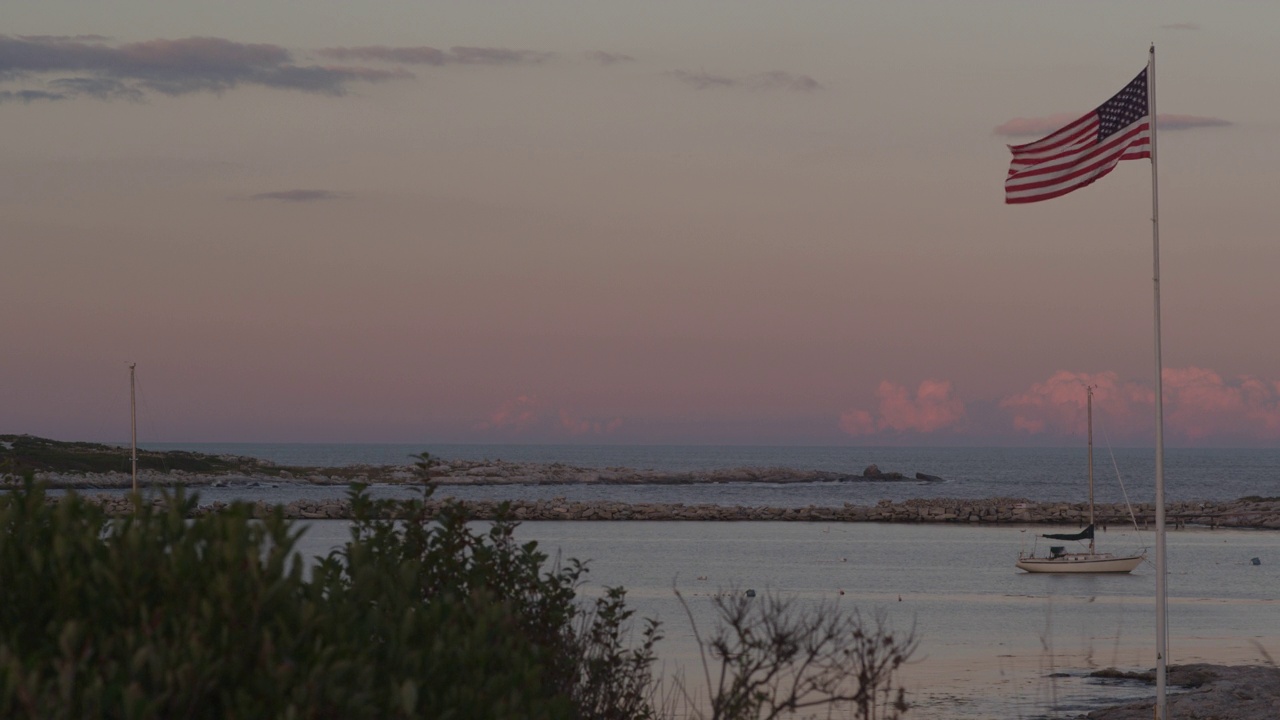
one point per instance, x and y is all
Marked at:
(1240, 692)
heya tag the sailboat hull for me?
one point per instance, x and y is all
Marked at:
(1081, 563)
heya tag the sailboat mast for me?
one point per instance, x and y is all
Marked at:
(1089, 413)
(133, 426)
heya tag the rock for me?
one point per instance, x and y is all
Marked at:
(928, 478)
(872, 471)
(1239, 692)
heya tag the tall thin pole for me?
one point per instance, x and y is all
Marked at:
(1162, 631)
(1089, 405)
(133, 426)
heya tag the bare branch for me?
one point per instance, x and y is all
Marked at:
(777, 658)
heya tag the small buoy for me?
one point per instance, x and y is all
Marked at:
(841, 592)
(751, 593)
(1256, 561)
(899, 598)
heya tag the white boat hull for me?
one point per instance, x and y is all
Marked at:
(1081, 563)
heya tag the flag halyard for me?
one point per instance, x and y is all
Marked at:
(1084, 150)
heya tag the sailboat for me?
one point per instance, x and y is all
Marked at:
(1060, 561)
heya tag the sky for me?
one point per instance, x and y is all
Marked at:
(554, 221)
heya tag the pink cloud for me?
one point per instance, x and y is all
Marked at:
(578, 426)
(1057, 405)
(932, 408)
(1199, 405)
(1036, 127)
(858, 422)
(519, 414)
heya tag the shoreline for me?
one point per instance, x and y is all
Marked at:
(1244, 513)
(1205, 690)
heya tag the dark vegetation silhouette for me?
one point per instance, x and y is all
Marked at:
(169, 613)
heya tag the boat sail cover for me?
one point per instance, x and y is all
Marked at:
(1085, 534)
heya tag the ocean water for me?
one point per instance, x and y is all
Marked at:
(1042, 474)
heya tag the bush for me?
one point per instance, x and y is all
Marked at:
(158, 616)
(778, 660)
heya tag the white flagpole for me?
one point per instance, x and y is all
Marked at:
(1162, 632)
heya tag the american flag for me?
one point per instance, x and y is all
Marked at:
(1084, 150)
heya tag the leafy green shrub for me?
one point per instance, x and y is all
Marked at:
(158, 616)
(28, 452)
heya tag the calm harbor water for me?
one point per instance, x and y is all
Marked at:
(994, 642)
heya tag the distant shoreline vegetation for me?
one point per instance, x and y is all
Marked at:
(28, 452)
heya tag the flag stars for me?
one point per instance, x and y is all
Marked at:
(1126, 107)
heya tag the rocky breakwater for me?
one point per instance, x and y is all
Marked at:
(500, 472)
(1245, 513)
(462, 472)
(330, 509)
